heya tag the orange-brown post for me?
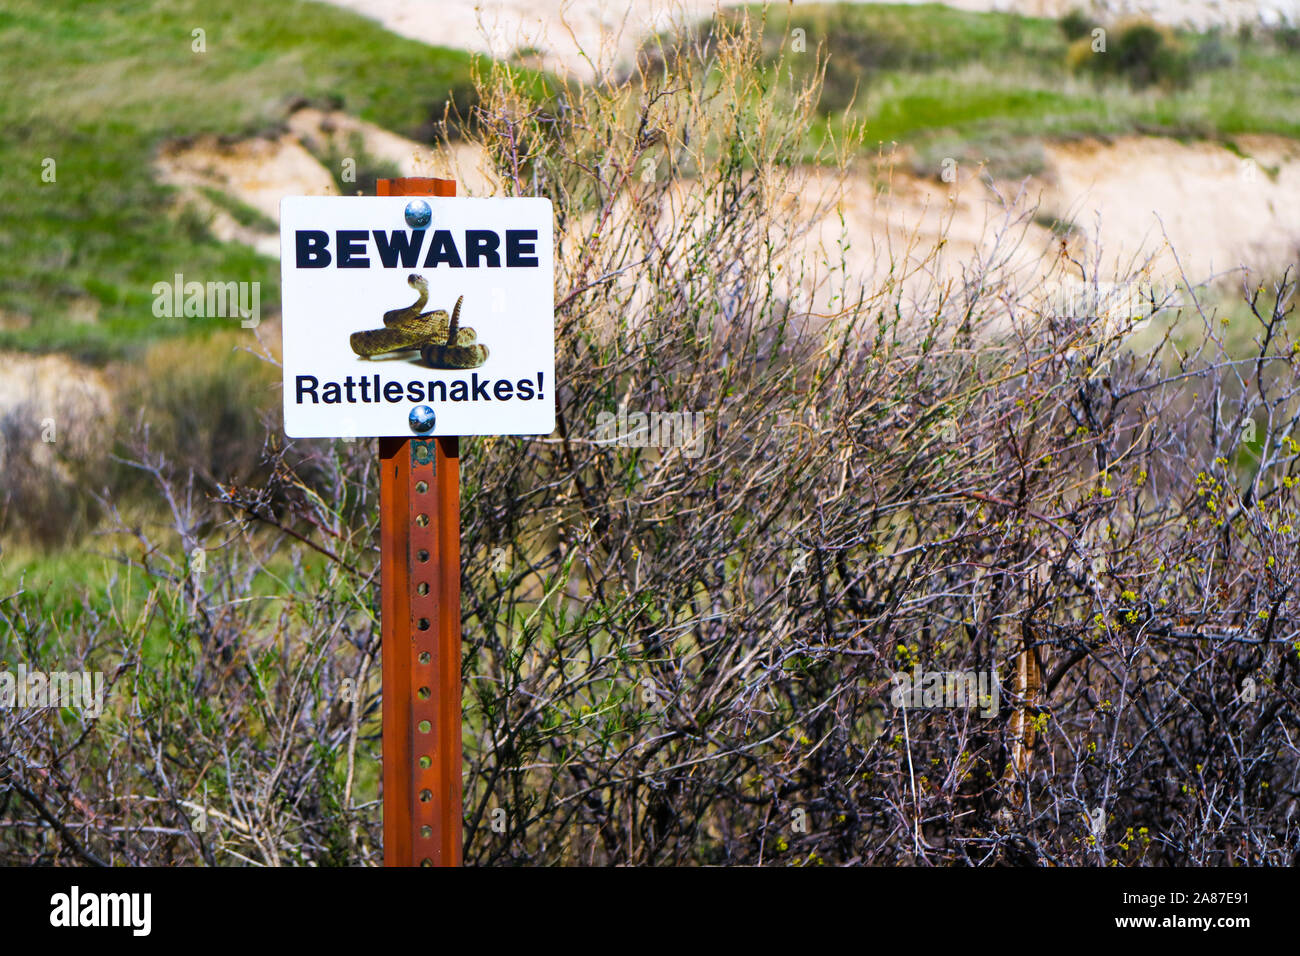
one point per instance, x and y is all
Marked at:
(419, 535)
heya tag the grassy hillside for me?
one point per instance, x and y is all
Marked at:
(97, 87)
(990, 85)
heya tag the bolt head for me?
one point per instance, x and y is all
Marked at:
(422, 419)
(418, 214)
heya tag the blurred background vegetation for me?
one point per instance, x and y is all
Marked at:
(991, 86)
(183, 461)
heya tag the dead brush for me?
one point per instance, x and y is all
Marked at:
(676, 658)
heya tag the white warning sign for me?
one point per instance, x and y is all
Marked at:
(416, 316)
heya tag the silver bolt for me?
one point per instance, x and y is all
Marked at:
(418, 214)
(422, 419)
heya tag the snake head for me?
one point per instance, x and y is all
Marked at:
(417, 282)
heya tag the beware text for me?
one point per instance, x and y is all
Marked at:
(478, 248)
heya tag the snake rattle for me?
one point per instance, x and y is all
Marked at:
(452, 352)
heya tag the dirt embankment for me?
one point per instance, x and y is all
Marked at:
(1198, 207)
(260, 172)
(54, 413)
(586, 36)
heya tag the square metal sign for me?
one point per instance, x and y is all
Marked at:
(409, 316)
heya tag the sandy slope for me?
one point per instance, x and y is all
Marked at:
(569, 33)
(564, 33)
(1217, 210)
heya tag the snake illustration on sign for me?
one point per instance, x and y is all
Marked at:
(442, 342)
(358, 363)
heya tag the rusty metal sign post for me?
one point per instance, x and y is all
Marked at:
(419, 531)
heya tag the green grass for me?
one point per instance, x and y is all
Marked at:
(98, 87)
(981, 86)
(70, 588)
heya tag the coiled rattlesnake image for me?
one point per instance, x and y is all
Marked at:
(439, 337)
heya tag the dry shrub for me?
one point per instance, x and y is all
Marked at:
(203, 402)
(1145, 54)
(689, 659)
